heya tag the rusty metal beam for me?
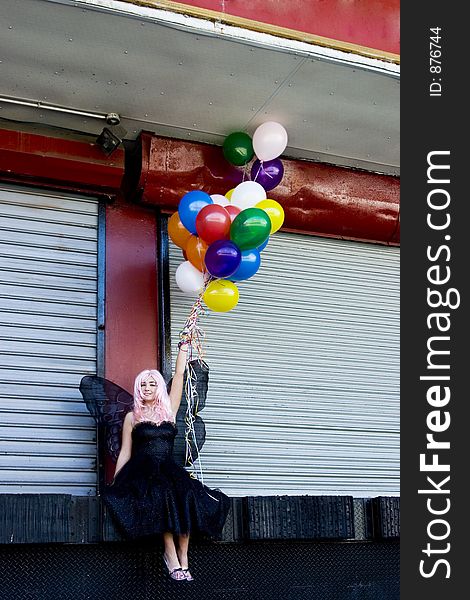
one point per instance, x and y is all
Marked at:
(318, 199)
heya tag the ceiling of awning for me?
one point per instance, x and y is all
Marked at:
(188, 79)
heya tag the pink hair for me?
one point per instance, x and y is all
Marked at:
(160, 409)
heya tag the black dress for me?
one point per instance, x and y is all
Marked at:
(152, 494)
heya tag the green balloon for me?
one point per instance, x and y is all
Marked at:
(250, 228)
(238, 148)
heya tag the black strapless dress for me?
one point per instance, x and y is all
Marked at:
(151, 494)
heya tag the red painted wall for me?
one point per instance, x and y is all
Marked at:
(131, 326)
(370, 23)
(72, 165)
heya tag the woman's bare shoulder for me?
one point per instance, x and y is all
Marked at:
(129, 418)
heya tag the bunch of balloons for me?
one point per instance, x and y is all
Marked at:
(222, 237)
(222, 240)
(268, 143)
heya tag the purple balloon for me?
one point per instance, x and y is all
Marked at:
(268, 173)
(223, 258)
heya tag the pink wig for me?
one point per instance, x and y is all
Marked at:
(160, 409)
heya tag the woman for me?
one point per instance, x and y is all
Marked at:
(151, 494)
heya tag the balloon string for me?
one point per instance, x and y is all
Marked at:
(244, 172)
(259, 169)
(190, 419)
(193, 334)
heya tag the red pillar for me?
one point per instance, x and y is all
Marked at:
(131, 293)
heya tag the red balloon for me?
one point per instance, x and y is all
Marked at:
(213, 223)
(233, 211)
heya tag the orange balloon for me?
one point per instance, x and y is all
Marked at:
(178, 233)
(196, 251)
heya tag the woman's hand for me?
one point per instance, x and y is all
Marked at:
(184, 345)
(181, 359)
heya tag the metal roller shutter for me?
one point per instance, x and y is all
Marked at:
(48, 308)
(304, 382)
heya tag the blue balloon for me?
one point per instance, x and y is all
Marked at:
(222, 258)
(189, 206)
(249, 265)
(264, 244)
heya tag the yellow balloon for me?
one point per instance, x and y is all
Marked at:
(275, 213)
(228, 195)
(221, 295)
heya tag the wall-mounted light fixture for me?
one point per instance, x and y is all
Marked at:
(110, 138)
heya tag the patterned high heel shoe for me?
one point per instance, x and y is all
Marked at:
(176, 574)
(187, 575)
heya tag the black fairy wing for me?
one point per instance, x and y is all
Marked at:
(108, 404)
(191, 429)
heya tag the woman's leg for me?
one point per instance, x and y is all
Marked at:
(170, 554)
(183, 544)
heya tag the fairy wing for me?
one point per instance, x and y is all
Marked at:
(191, 429)
(108, 403)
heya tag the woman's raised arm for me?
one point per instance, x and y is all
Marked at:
(178, 378)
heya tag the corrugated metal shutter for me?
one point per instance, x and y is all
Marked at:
(304, 372)
(48, 307)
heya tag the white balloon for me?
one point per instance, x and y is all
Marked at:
(269, 140)
(220, 200)
(247, 194)
(189, 279)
